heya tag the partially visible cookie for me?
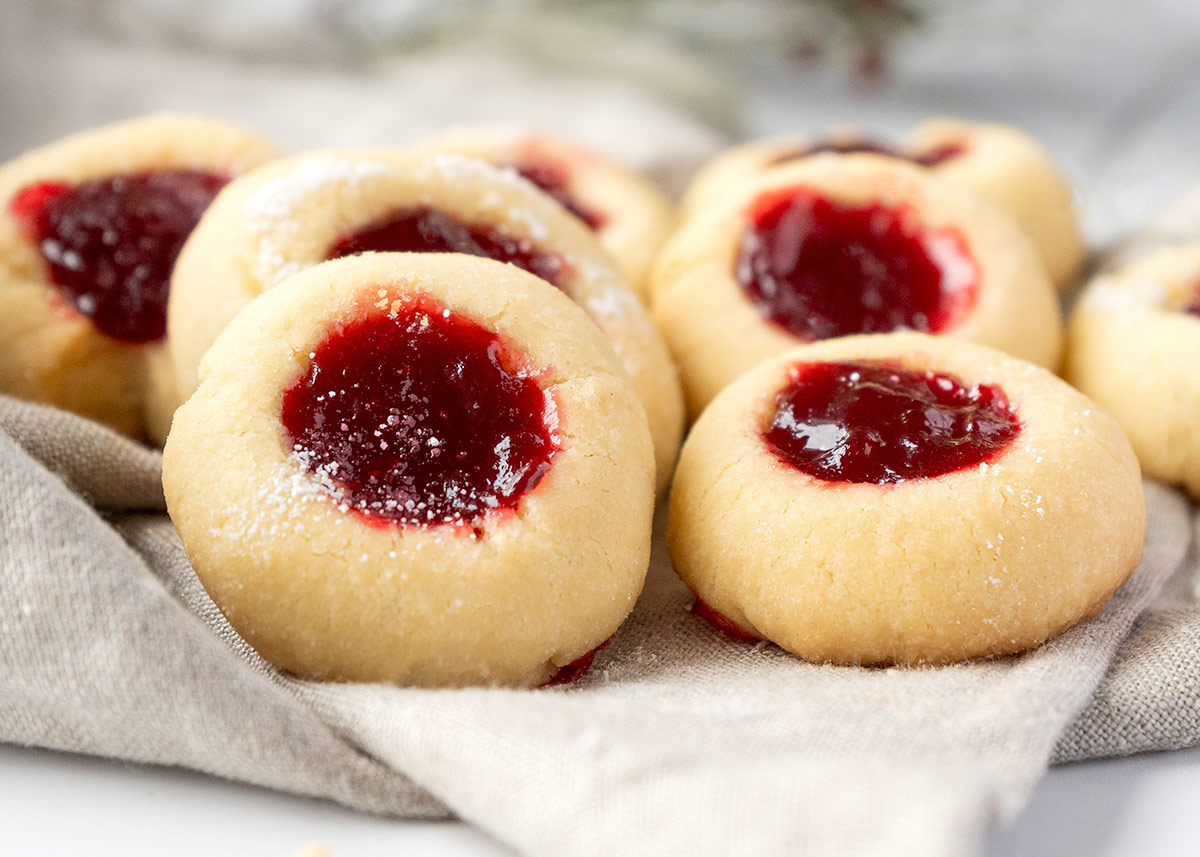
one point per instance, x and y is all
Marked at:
(903, 499)
(630, 216)
(323, 205)
(436, 474)
(1004, 164)
(89, 230)
(843, 244)
(1134, 347)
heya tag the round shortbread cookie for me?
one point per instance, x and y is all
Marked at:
(630, 216)
(845, 234)
(1133, 345)
(895, 531)
(336, 564)
(308, 208)
(1001, 163)
(89, 226)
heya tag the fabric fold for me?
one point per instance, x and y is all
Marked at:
(679, 739)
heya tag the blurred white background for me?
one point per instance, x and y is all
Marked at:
(1111, 86)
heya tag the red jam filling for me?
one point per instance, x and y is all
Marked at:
(722, 623)
(880, 422)
(928, 158)
(427, 230)
(577, 669)
(418, 417)
(110, 243)
(819, 268)
(1194, 306)
(553, 177)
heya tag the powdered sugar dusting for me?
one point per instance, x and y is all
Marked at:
(277, 199)
(535, 225)
(1117, 295)
(459, 168)
(617, 308)
(615, 304)
(290, 503)
(279, 507)
(270, 212)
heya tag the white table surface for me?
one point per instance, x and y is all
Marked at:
(56, 804)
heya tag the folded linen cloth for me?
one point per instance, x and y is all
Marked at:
(678, 741)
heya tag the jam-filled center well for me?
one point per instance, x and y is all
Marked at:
(881, 422)
(110, 243)
(554, 178)
(820, 268)
(930, 157)
(428, 230)
(1192, 306)
(419, 416)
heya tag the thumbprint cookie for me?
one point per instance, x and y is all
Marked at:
(1004, 164)
(90, 227)
(903, 499)
(1134, 347)
(314, 207)
(436, 474)
(838, 245)
(629, 215)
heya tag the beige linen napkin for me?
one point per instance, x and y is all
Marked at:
(1150, 699)
(679, 741)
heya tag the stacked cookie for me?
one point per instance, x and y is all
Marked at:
(427, 397)
(883, 468)
(423, 413)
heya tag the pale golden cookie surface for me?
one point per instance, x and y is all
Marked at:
(987, 560)
(1133, 348)
(322, 592)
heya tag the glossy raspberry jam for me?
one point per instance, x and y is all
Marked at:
(553, 177)
(417, 416)
(722, 623)
(110, 243)
(1194, 307)
(819, 268)
(427, 230)
(928, 158)
(881, 422)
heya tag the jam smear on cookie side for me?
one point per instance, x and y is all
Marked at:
(928, 158)
(419, 416)
(110, 243)
(553, 177)
(721, 622)
(881, 422)
(576, 669)
(427, 230)
(820, 268)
